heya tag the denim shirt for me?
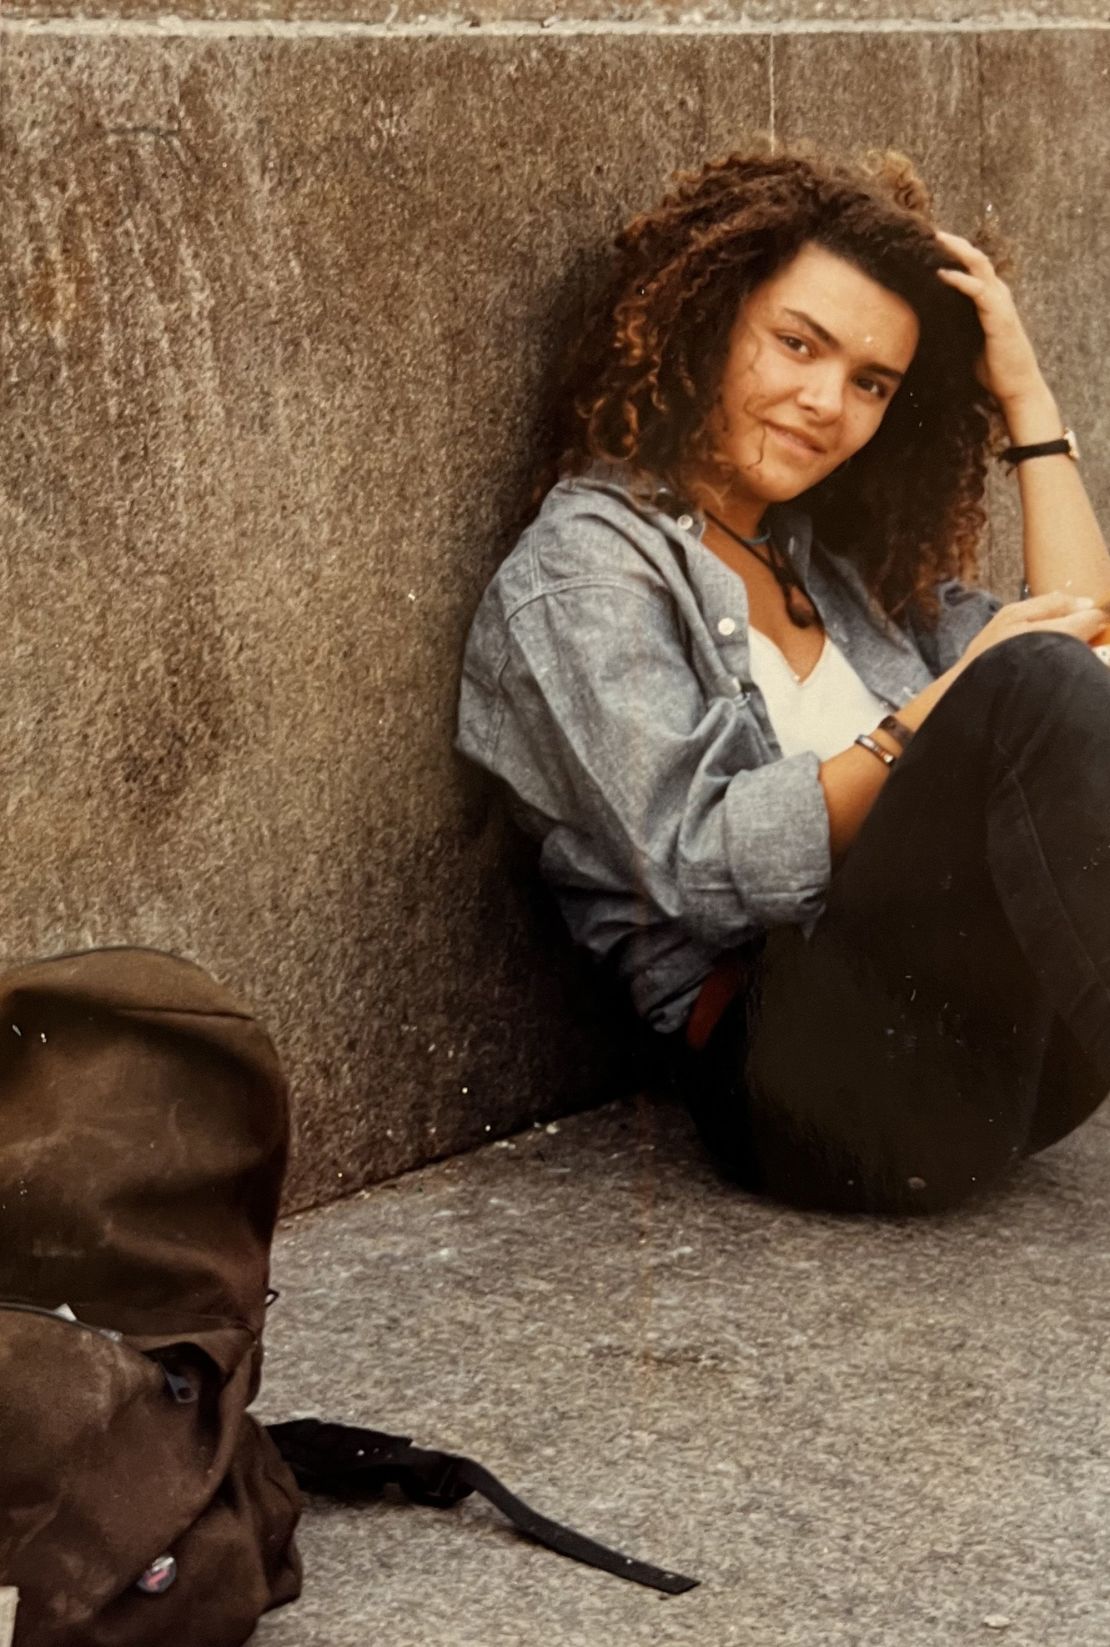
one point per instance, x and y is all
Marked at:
(607, 684)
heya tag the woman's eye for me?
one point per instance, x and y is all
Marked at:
(797, 345)
(873, 386)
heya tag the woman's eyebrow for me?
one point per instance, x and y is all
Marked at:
(834, 343)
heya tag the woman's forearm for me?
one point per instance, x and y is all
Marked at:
(853, 779)
(1062, 544)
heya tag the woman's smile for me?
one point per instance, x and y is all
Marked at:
(803, 446)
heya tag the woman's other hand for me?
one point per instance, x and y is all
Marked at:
(852, 780)
(1064, 614)
(1008, 367)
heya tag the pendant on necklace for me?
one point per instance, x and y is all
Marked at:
(801, 617)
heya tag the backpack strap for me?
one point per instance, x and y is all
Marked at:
(344, 1461)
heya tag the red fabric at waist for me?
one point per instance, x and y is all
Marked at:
(720, 989)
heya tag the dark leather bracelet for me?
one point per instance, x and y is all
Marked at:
(866, 741)
(898, 730)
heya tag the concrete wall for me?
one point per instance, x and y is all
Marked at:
(277, 305)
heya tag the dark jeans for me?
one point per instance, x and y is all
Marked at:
(950, 1011)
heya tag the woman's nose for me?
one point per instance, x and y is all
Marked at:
(822, 392)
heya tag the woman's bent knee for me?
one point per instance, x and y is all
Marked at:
(1038, 659)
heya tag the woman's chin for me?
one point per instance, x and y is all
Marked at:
(785, 488)
(767, 483)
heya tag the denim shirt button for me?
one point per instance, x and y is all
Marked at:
(727, 626)
(685, 522)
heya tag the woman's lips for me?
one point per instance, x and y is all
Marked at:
(796, 443)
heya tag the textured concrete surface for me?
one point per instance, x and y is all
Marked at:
(274, 321)
(857, 1433)
(916, 92)
(277, 317)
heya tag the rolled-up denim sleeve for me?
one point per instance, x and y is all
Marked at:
(607, 731)
(777, 840)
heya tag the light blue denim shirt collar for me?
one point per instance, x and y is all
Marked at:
(882, 652)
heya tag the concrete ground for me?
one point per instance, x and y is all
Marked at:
(852, 1431)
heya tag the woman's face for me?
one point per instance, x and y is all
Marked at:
(815, 356)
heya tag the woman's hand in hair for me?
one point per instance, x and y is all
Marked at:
(1008, 367)
(1058, 612)
(1063, 548)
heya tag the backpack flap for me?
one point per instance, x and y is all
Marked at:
(143, 1138)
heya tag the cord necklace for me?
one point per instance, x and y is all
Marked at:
(803, 617)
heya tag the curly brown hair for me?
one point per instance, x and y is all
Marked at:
(643, 378)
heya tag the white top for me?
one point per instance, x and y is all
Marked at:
(825, 711)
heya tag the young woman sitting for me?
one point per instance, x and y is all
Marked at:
(838, 817)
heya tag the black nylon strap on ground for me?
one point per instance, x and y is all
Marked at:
(347, 1461)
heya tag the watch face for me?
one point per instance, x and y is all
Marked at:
(1073, 444)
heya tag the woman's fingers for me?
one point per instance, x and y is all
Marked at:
(1054, 604)
(1008, 366)
(968, 253)
(969, 284)
(1067, 614)
(1056, 612)
(1084, 625)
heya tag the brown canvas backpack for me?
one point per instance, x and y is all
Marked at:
(143, 1137)
(143, 1140)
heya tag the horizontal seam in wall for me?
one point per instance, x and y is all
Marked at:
(462, 28)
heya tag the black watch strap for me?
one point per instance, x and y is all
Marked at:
(1065, 446)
